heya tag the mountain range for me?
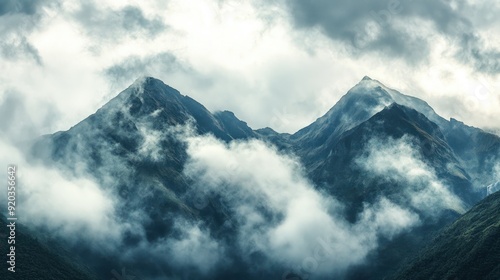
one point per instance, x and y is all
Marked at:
(354, 195)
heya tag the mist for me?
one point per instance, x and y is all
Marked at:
(398, 160)
(279, 213)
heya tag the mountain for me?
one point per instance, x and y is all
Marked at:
(393, 122)
(462, 157)
(129, 133)
(374, 146)
(467, 249)
(360, 103)
(337, 170)
(474, 148)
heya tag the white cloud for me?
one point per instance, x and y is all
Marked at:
(396, 159)
(150, 146)
(74, 208)
(195, 248)
(277, 212)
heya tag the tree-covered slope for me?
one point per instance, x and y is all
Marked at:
(467, 249)
(36, 260)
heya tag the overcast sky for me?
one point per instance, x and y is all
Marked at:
(274, 63)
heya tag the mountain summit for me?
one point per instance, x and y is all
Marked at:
(360, 103)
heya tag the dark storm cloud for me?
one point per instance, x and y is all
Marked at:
(112, 25)
(17, 20)
(389, 27)
(15, 46)
(132, 67)
(475, 54)
(28, 7)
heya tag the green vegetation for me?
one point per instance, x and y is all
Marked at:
(467, 249)
(35, 260)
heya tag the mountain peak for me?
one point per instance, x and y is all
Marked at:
(152, 88)
(143, 81)
(147, 82)
(359, 104)
(369, 84)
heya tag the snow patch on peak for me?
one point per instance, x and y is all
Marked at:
(387, 96)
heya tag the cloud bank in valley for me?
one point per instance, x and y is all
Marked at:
(67, 205)
(277, 212)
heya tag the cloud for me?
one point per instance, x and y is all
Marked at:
(22, 6)
(101, 210)
(15, 47)
(278, 217)
(473, 52)
(62, 60)
(495, 186)
(164, 63)
(396, 159)
(249, 58)
(189, 252)
(381, 27)
(195, 248)
(72, 208)
(23, 120)
(113, 25)
(277, 213)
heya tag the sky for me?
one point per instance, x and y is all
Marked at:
(274, 63)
